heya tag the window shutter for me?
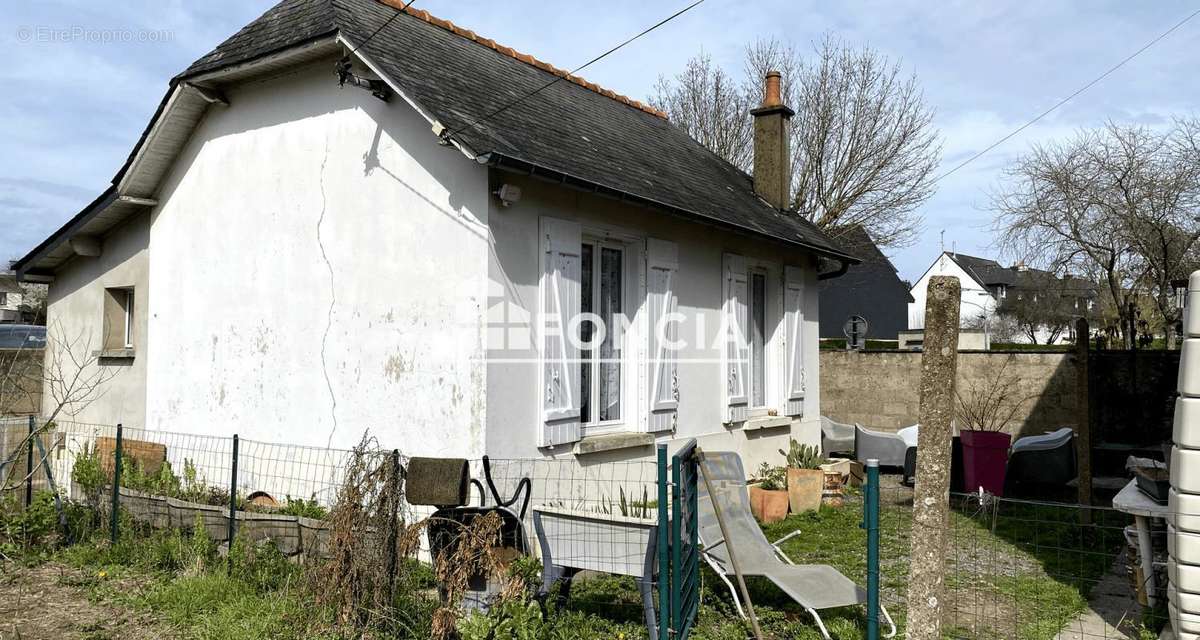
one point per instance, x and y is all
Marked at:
(560, 381)
(737, 338)
(662, 263)
(793, 294)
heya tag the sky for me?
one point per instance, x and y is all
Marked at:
(83, 79)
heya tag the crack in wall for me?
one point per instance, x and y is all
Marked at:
(332, 301)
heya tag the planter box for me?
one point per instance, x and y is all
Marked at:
(596, 541)
(985, 456)
(805, 487)
(772, 506)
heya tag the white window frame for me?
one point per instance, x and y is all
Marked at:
(633, 351)
(129, 299)
(752, 270)
(774, 344)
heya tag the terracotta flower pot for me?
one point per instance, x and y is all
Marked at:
(985, 455)
(768, 506)
(805, 487)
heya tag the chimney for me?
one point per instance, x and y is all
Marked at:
(772, 153)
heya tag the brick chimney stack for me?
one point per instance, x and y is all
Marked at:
(772, 153)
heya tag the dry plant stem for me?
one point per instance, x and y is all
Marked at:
(72, 378)
(931, 495)
(992, 402)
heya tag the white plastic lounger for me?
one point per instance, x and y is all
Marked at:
(813, 586)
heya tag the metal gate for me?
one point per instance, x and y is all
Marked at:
(679, 543)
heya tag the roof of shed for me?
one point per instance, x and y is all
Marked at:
(495, 102)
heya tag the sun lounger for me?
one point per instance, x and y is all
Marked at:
(836, 437)
(814, 586)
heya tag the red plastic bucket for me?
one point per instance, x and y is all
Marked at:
(985, 456)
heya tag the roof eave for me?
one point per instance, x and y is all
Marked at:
(517, 165)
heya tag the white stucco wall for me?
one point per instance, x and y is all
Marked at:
(109, 391)
(977, 302)
(514, 415)
(319, 265)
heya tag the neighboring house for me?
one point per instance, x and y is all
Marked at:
(10, 299)
(989, 289)
(298, 261)
(872, 290)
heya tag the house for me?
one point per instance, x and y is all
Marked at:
(872, 290)
(993, 297)
(11, 299)
(347, 218)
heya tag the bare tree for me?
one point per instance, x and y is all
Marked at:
(863, 144)
(709, 105)
(1119, 202)
(71, 378)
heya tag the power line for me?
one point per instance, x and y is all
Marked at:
(1068, 98)
(382, 27)
(448, 134)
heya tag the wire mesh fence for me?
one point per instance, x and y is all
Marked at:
(1019, 569)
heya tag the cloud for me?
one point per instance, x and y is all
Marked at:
(74, 109)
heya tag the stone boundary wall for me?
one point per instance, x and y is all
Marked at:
(881, 389)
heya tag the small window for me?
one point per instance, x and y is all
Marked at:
(3, 298)
(758, 333)
(118, 319)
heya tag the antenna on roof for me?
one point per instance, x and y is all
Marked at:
(942, 241)
(378, 88)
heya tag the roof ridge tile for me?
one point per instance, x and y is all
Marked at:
(528, 59)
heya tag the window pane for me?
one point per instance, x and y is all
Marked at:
(129, 319)
(585, 331)
(758, 331)
(610, 349)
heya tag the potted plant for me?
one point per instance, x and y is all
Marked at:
(806, 480)
(769, 496)
(986, 406)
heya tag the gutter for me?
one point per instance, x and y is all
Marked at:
(516, 165)
(21, 267)
(839, 272)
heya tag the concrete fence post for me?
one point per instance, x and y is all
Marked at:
(931, 495)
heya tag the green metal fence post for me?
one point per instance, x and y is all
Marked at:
(393, 532)
(664, 560)
(232, 532)
(29, 468)
(871, 523)
(676, 549)
(116, 487)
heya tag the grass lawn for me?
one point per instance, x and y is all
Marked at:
(1013, 571)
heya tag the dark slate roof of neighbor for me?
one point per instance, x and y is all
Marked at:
(872, 290)
(8, 283)
(987, 272)
(573, 131)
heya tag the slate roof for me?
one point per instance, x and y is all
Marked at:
(572, 131)
(872, 290)
(987, 272)
(8, 283)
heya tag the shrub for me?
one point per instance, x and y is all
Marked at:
(261, 565)
(304, 508)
